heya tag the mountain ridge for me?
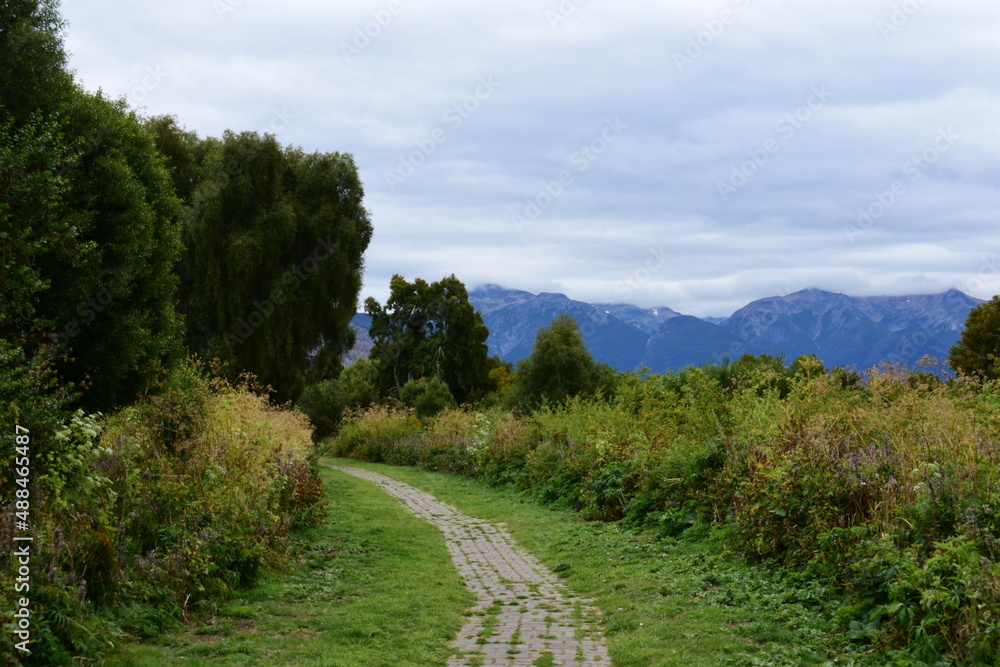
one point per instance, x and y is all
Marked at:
(840, 330)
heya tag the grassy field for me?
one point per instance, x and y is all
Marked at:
(376, 587)
(373, 587)
(665, 602)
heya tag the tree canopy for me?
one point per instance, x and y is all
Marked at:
(274, 240)
(559, 367)
(430, 330)
(978, 350)
(88, 229)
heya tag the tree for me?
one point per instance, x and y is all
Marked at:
(87, 222)
(33, 74)
(559, 367)
(978, 350)
(428, 396)
(275, 242)
(115, 303)
(326, 401)
(430, 330)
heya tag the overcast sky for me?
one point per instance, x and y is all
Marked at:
(696, 155)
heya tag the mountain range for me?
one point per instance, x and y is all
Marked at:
(840, 330)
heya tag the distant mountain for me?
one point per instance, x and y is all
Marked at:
(839, 329)
(854, 331)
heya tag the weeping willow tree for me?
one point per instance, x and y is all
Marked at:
(275, 239)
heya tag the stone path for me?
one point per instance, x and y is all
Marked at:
(523, 616)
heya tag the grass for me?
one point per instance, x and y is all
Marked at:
(664, 601)
(373, 586)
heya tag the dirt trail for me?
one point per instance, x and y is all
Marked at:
(523, 615)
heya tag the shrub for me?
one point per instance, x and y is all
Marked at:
(162, 508)
(428, 396)
(324, 404)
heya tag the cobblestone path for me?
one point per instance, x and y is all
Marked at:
(523, 616)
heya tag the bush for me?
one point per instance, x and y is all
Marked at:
(161, 509)
(428, 396)
(324, 404)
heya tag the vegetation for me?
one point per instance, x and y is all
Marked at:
(159, 490)
(429, 330)
(272, 268)
(158, 512)
(154, 492)
(977, 353)
(559, 367)
(664, 600)
(373, 585)
(883, 491)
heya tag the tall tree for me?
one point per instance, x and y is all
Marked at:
(275, 240)
(430, 330)
(559, 367)
(978, 350)
(87, 221)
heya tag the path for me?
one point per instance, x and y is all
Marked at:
(523, 616)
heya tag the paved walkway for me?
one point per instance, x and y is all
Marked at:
(523, 616)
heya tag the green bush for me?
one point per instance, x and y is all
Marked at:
(428, 396)
(161, 509)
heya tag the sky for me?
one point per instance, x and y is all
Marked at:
(694, 155)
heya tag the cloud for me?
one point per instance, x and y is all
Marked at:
(703, 89)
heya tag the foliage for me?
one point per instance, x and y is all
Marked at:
(162, 509)
(430, 330)
(428, 396)
(113, 302)
(274, 242)
(325, 402)
(33, 62)
(882, 487)
(559, 367)
(372, 586)
(88, 239)
(978, 350)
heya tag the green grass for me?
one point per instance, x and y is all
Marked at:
(664, 601)
(374, 586)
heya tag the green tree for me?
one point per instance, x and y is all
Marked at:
(34, 78)
(428, 396)
(88, 237)
(977, 351)
(430, 330)
(559, 367)
(326, 401)
(114, 305)
(274, 255)
(183, 151)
